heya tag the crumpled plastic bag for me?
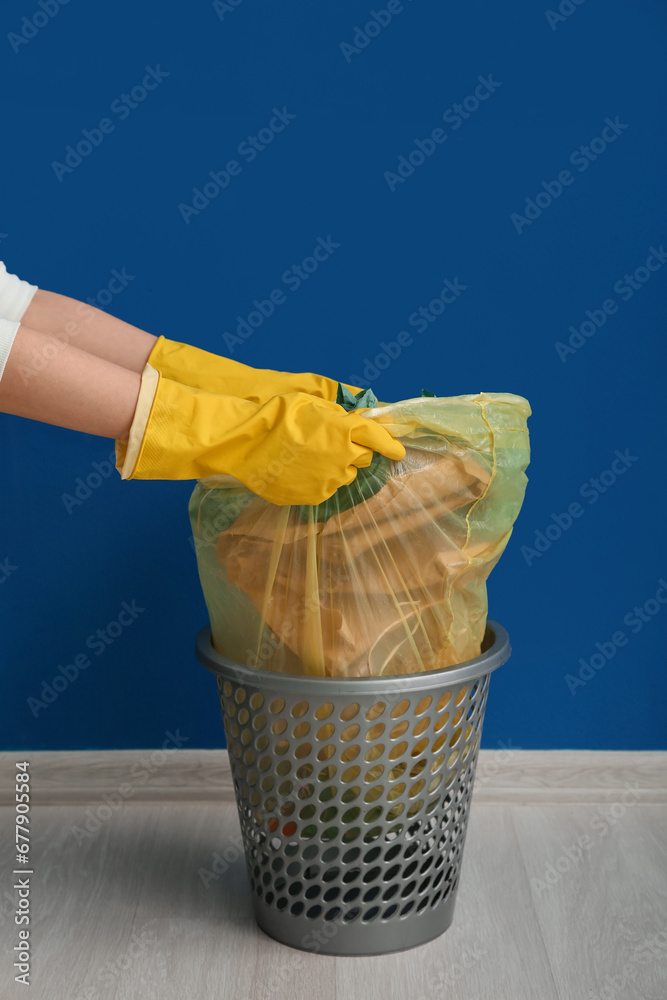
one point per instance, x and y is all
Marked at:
(389, 575)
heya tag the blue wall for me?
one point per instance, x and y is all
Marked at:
(555, 80)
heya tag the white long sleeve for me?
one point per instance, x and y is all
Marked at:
(15, 297)
(8, 328)
(15, 294)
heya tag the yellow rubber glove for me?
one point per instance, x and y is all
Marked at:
(292, 449)
(204, 370)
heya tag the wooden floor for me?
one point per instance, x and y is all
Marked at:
(562, 896)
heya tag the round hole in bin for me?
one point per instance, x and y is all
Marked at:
(394, 792)
(314, 912)
(276, 706)
(324, 711)
(351, 894)
(300, 708)
(331, 874)
(310, 852)
(351, 875)
(350, 732)
(398, 750)
(282, 903)
(399, 729)
(371, 914)
(291, 849)
(389, 912)
(372, 855)
(327, 773)
(304, 771)
(409, 888)
(390, 892)
(293, 868)
(400, 709)
(444, 701)
(331, 894)
(461, 695)
(375, 711)
(408, 906)
(324, 732)
(269, 897)
(312, 871)
(441, 722)
(295, 888)
(351, 834)
(349, 711)
(330, 855)
(372, 874)
(352, 914)
(313, 891)
(297, 908)
(333, 913)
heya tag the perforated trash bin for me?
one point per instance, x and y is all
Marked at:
(353, 796)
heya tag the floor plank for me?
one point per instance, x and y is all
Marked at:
(598, 876)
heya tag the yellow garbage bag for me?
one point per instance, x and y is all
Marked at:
(388, 577)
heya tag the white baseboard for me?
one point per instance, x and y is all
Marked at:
(503, 776)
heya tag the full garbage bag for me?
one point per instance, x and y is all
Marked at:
(389, 575)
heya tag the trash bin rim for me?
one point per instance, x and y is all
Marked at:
(497, 652)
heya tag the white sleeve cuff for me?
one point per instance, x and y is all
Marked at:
(8, 330)
(15, 294)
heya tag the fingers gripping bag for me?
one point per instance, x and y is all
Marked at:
(386, 577)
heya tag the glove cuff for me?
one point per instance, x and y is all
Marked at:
(127, 452)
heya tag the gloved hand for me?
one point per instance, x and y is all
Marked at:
(292, 449)
(204, 370)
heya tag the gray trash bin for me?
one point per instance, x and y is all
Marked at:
(353, 796)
